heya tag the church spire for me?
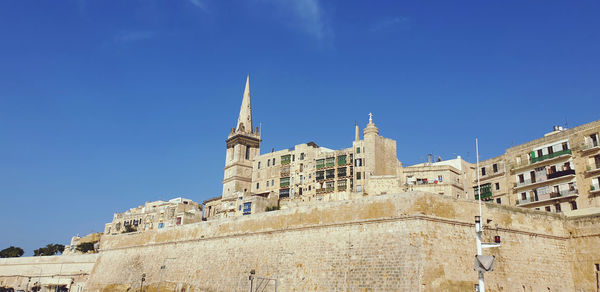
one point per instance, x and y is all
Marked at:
(244, 123)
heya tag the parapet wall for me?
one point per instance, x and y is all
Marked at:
(402, 242)
(71, 271)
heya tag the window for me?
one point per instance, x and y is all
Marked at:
(320, 175)
(257, 186)
(284, 182)
(273, 160)
(483, 171)
(540, 153)
(240, 208)
(161, 225)
(550, 150)
(523, 196)
(341, 160)
(357, 150)
(259, 165)
(293, 157)
(565, 146)
(272, 182)
(498, 201)
(320, 163)
(284, 193)
(247, 153)
(267, 183)
(497, 186)
(521, 178)
(302, 156)
(440, 178)
(268, 162)
(358, 162)
(573, 205)
(547, 208)
(330, 173)
(247, 208)
(357, 175)
(495, 167)
(557, 207)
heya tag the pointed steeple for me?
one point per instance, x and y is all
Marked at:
(245, 117)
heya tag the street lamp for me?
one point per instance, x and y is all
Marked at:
(162, 268)
(142, 283)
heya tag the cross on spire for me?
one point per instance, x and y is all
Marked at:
(370, 118)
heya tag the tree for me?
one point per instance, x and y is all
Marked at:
(49, 250)
(11, 252)
(85, 247)
(272, 208)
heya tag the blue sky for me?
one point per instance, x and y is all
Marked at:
(107, 104)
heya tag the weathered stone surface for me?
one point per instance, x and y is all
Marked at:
(400, 242)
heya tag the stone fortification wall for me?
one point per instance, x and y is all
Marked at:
(584, 245)
(402, 242)
(71, 271)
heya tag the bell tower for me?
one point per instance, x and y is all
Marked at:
(243, 144)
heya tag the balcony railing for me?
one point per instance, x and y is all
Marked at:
(548, 197)
(525, 201)
(589, 145)
(541, 179)
(561, 173)
(593, 166)
(552, 155)
(525, 182)
(559, 194)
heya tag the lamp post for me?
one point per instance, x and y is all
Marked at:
(478, 232)
(277, 270)
(162, 268)
(142, 283)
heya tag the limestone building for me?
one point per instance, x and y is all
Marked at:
(451, 177)
(559, 172)
(254, 182)
(155, 215)
(556, 173)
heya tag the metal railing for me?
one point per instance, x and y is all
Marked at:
(548, 196)
(552, 155)
(589, 145)
(561, 173)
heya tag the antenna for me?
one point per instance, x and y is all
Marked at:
(478, 182)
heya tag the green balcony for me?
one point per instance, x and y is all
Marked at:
(320, 163)
(486, 191)
(548, 156)
(284, 182)
(285, 159)
(341, 160)
(330, 162)
(483, 196)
